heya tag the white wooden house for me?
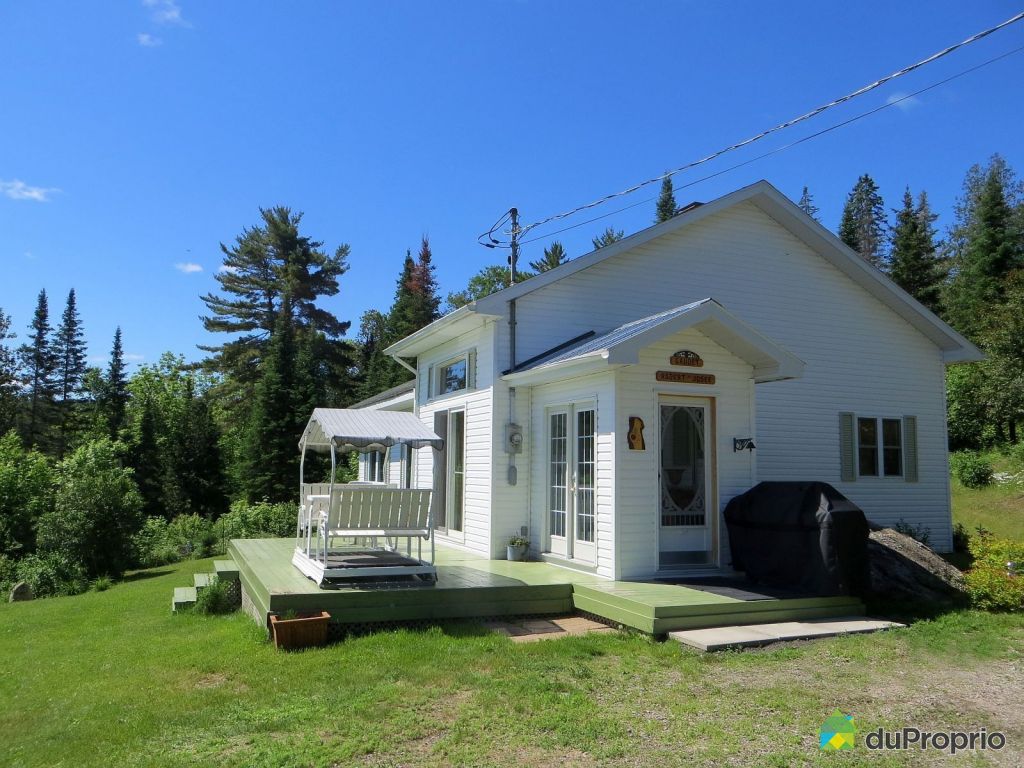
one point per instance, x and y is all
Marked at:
(612, 406)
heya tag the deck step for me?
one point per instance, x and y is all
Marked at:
(226, 570)
(184, 597)
(202, 580)
(750, 635)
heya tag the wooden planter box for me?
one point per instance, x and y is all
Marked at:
(302, 632)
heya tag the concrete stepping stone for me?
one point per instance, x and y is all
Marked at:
(746, 636)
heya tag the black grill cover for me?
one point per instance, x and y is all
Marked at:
(806, 536)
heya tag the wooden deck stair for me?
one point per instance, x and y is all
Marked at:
(185, 597)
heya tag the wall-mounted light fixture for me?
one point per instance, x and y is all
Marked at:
(743, 444)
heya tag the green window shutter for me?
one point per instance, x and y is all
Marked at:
(847, 448)
(430, 382)
(910, 448)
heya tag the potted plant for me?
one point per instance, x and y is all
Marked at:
(292, 631)
(517, 547)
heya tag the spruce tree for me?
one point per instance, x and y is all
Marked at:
(38, 365)
(146, 461)
(807, 204)
(913, 262)
(863, 223)
(667, 207)
(554, 255)
(426, 306)
(8, 377)
(987, 244)
(113, 399)
(609, 236)
(271, 457)
(193, 480)
(69, 349)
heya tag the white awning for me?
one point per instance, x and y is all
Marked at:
(364, 430)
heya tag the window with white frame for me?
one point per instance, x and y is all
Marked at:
(879, 447)
(452, 376)
(375, 467)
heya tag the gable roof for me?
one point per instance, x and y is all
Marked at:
(955, 348)
(405, 388)
(363, 430)
(622, 345)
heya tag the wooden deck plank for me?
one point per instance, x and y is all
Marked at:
(470, 585)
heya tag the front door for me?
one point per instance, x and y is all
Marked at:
(686, 513)
(572, 482)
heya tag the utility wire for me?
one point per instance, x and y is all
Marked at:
(775, 129)
(784, 147)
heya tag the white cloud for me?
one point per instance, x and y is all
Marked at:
(166, 12)
(228, 268)
(19, 190)
(132, 357)
(188, 267)
(903, 101)
(147, 40)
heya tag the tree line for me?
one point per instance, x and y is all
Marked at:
(178, 439)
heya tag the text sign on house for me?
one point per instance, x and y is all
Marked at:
(687, 358)
(682, 377)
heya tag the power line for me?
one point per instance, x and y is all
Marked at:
(784, 147)
(775, 129)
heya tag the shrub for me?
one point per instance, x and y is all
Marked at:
(8, 575)
(255, 521)
(990, 583)
(151, 545)
(971, 469)
(214, 599)
(26, 488)
(191, 536)
(1016, 455)
(95, 514)
(53, 573)
(102, 584)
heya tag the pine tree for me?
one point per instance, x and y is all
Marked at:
(8, 377)
(609, 236)
(807, 204)
(863, 224)
(987, 244)
(271, 266)
(113, 398)
(69, 349)
(39, 366)
(913, 262)
(667, 207)
(554, 255)
(426, 307)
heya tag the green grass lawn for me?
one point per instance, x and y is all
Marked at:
(113, 679)
(1000, 508)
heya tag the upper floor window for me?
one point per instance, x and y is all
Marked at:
(452, 375)
(879, 447)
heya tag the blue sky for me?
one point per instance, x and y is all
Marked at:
(135, 136)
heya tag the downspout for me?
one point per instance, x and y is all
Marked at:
(512, 335)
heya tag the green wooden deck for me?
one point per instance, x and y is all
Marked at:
(470, 586)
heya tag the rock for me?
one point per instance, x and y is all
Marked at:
(21, 591)
(903, 568)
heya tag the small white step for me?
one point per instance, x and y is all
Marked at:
(748, 635)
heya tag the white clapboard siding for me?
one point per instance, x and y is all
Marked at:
(860, 356)
(477, 401)
(637, 501)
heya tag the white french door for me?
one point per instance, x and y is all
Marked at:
(572, 482)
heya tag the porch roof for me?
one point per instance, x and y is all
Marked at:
(365, 430)
(622, 345)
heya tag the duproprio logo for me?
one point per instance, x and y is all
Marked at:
(837, 733)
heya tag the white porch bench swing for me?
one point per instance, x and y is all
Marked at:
(371, 520)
